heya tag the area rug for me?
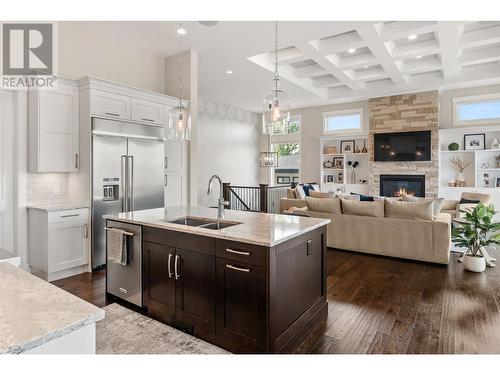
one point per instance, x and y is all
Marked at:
(124, 331)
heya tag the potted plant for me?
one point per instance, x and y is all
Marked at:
(476, 231)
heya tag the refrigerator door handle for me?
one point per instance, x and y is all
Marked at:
(124, 183)
(130, 169)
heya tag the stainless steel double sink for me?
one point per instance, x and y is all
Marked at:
(202, 223)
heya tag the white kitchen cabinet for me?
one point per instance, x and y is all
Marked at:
(175, 154)
(147, 112)
(174, 188)
(110, 105)
(59, 242)
(53, 128)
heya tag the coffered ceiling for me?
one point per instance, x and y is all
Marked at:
(370, 59)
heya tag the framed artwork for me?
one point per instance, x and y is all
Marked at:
(347, 147)
(329, 178)
(283, 179)
(338, 163)
(295, 179)
(341, 178)
(497, 182)
(474, 141)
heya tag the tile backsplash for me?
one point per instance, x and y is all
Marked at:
(47, 188)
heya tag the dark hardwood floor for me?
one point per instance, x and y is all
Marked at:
(384, 305)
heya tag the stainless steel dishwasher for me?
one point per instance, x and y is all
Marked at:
(125, 281)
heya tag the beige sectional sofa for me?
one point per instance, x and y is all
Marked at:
(420, 239)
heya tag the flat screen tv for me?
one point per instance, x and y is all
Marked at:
(405, 146)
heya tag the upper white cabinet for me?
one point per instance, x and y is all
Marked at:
(107, 104)
(148, 112)
(53, 128)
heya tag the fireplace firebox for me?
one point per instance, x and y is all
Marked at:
(396, 185)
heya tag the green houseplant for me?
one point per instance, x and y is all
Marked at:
(477, 231)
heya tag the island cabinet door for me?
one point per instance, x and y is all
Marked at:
(159, 281)
(241, 305)
(195, 290)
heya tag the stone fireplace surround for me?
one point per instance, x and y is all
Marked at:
(400, 113)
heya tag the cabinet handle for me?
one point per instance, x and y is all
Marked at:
(72, 215)
(112, 114)
(247, 253)
(230, 266)
(86, 233)
(169, 270)
(177, 276)
(166, 162)
(148, 119)
(76, 161)
(166, 180)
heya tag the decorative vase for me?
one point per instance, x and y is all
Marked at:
(364, 150)
(474, 264)
(353, 177)
(495, 144)
(460, 179)
(357, 150)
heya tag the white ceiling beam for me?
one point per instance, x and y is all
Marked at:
(421, 66)
(448, 35)
(401, 29)
(480, 56)
(429, 47)
(371, 36)
(313, 53)
(480, 37)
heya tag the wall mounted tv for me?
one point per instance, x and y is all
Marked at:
(405, 146)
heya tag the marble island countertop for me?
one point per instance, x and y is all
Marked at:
(33, 312)
(254, 228)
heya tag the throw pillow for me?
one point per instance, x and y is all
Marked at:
(364, 198)
(307, 189)
(299, 190)
(437, 202)
(468, 201)
(347, 196)
(315, 187)
(374, 209)
(410, 210)
(290, 194)
(330, 205)
(320, 194)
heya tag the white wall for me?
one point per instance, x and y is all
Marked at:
(446, 105)
(228, 145)
(89, 48)
(312, 130)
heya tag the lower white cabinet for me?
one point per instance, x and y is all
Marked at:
(59, 242)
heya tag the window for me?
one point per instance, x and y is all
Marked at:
(476, 110)
(288, 163)
(348, 121)
(280, 128)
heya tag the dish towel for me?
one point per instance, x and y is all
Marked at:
(117, 246)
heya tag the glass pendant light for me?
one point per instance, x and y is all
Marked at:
(179, 118)
(276, 106)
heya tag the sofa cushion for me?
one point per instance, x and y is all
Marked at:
(437, 202)
(410, 210)
(374, 209)
(331, 205)
(481, 197)
(320, 194)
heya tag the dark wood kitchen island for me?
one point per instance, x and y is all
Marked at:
(255, 286)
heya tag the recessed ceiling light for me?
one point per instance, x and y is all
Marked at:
(419, 57)
(412, 36)
(229, 72)
(351, 50)
(181, 31)
(365, 67)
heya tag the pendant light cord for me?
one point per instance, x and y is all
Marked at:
(276, 74)
(180, 69)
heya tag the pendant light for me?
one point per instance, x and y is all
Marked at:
(179, 119)
(268, 158)
(276, 106)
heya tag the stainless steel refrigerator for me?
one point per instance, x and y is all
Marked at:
(127, 174)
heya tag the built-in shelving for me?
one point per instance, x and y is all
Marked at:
(333, 179)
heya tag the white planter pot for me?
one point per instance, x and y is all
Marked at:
(474, 264)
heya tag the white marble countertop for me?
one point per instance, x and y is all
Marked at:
(56, 207)
(33, 311)
(255, 228)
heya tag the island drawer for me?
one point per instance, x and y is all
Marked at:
(241, 252)
(201, 244)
